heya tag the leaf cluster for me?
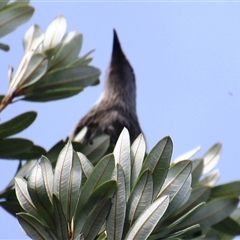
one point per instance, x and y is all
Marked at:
(128, 194)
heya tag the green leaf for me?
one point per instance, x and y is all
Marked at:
(105, 190)
(34, 152)
(123, 158)
(48, 178)
(138, 150)
(62, 176)
(39, 196)
(54, 34)
(210, 213)
(75, 184)
(34, 228)
(69, 50)
(141, 196)
(228, 226)
(17, 124)
(36, 68)
(211, 157)
(87, 166)
(3, 4)
(101, 173)
(60, 219)
(116, 216)
(10, 147)
(96, 219)
(228, 190)
(11, 206)
(176, 177)
(179, 197)
(200, 194)
(158, 162)
(197, 168)
(24, 197)
(146, 222)
(13, 16)
(33, 38)
(61, 83)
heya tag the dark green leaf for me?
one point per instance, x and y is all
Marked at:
(96, 219)
(158, 162)
(117, 213)
(197, 168)
(60, 219)
(11, 206)
(210, 213)
(228, 226)
(61, 83)
(228, 190)
(11, 147)
(34, 228)
(34, 152)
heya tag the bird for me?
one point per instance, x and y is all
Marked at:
(116, 106)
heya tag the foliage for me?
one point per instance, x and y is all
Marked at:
(128, 194)
(93, 191)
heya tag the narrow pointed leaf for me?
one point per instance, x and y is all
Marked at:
(197, 169)
(101, 173)
(75, 184)
(141, 196)
(3, 4)
(96, 219)
(105, 190)
(13, 16)
(17, 124)
(116, 217)
(158, 162)
(123, 158)
(24, 198)
(39, 197)
(87, 166)
(178, 198)
(144, 225)
(48, 178)
(138, 150)
(62, 176)
(211, 157)
(60, 219)
(177, 176)
(34, 228)
(211, 213)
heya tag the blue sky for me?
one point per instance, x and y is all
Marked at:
(186, 56)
